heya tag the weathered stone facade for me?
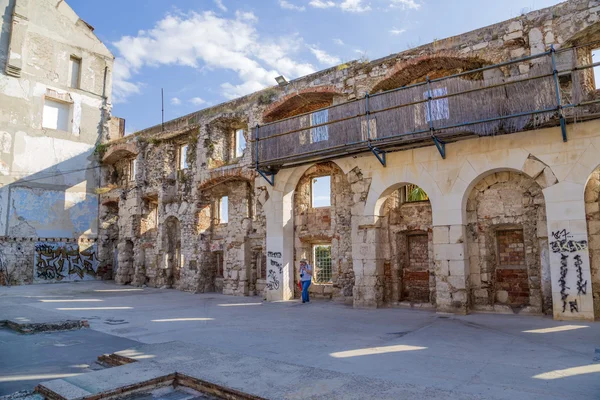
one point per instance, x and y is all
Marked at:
(55, 103)
(488, 238)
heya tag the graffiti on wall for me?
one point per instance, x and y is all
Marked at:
(275, 270)
(60, 262)
(565, 245)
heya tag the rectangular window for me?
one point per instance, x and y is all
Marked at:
(74, 72)
(223, 210)
(595, 59)
(132, 169)
(219, 261)
(56, 115)
(240, 143)
(321, 191)
(322, 268)
(439, 108)
(183, 156)
(320, 133)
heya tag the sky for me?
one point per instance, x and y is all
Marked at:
(206, 52)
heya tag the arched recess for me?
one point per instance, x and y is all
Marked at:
(301, 102)
(434, 65)
(507, 243)
(406, 243)
(592, 212)
(323, 230)
(224, 222)
(172, 250)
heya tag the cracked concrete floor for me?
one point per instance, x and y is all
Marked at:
(488, 356)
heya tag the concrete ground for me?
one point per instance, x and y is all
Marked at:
(476, 356)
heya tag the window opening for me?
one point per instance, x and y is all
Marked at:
(595, 59)
(322, 268)
(439, 108)
(240, 143)
(320, 133)
(132, 169)
(153, 215)
(321, 191)
(412, 194)
(183, 164)
(223, 210)
(56, 115)
(74, 72)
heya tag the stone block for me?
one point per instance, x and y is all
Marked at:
(502, 296)
(481, 293)
(458, 267)
(448, 252)
(456, 234)
(441, 235)
(457, 282)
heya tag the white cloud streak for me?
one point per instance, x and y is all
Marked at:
(355, 6)
(197, 101)
(339, 42)
(323, 57)
(175, 101)
(405, 4)
(205, 40)
(396, 31)
(220, 5)
(321, 4)
(290, 6)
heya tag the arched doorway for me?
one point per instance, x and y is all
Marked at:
(408, 271)
(507, 244)
(172, 246)
(323, 232)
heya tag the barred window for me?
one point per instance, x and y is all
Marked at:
(322, 263)
(320, 133)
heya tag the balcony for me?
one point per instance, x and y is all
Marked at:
(551, 89)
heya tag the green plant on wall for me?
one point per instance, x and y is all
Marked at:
(416, 194)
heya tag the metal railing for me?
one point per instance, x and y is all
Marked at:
(480, 102)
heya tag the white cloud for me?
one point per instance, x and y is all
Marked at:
(321, 4)
(356, 6)
(339, 42)
(396, 31)
(197, 101)
(175, 101)
(205, 40)
(324, 57)
(289, 6)
(220, 5)
(405, 4)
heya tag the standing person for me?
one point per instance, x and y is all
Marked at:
(306, 272)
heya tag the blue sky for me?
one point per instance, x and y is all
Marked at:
(205, 52)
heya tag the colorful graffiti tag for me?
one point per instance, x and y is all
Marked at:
(60, 262)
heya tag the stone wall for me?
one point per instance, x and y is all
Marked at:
(507, 227)
(592, 210)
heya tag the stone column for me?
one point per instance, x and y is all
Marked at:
(451, 268)
(569, 258)
(368, 259)
(280, 245)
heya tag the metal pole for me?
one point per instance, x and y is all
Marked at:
(563, 125)
(162, 105)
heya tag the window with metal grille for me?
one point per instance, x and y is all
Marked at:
(322, 263)
(411, 194)
(219, 262)
(319, 133)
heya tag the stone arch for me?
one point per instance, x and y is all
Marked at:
(172, 250)
(407, 244)
(301, 102)
(511, 161)
(119, 151)
(435, 66)
(592, 213)
(507, 244)
(325, 226)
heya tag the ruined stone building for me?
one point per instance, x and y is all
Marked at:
(55, 84)
(462, 175)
